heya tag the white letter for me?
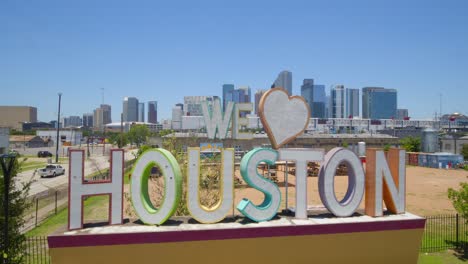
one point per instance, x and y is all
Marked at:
(172, 186)
(215, 122)
(238, 122)
(216, 213)
(353, 197)
(79, 188)
(301, 157)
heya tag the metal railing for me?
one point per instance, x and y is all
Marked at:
(44, 205)
(37, 250)
(444, 232)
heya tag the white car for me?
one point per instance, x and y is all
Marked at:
(51, 170)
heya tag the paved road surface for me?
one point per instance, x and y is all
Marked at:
(42, 185)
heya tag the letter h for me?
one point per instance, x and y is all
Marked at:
(80, 188)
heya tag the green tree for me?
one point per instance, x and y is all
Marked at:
(17, 206)
(345, 144)
(387, 147)
(411, 144)
(464, 151)
(165, 132)
(142, 149)
(14, 132)
(118, 139)
(138, 134)
(460, 199)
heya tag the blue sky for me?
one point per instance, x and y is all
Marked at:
(163, 50)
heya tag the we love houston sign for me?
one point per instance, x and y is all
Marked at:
(284, 118)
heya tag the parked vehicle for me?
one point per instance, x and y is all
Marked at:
(51, 170)
(44, 154)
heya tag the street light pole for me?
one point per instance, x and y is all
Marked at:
(58, 130)
(121, 130)
(7, 161)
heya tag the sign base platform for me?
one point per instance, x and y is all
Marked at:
(359, 239)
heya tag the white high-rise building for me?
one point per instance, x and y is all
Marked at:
(141, 112)
(337, 101)
(352, 102)
(177, 114)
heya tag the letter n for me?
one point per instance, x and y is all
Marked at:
(382, 181)
(79, 188)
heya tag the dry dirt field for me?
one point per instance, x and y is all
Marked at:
(426, 190)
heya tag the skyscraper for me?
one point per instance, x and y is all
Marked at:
(180, 105)
(88, 120)
(337, 101)
(319, 101)
(192, 104)
(402, 114)
(97, 119)
(102, 116)
(153, 112)
(258, 96)
(106, 114)
(315, 97)
(352, 102)
(379, 103)
(240, 95)
(227, 90)
(177, 114)
(72, 121)
(247, 98)
(327, 106)
(284, 80)
(130, 109)
(307, 89)
(141, 112)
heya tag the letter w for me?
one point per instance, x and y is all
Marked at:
(215, 121)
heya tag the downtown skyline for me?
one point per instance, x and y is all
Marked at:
(163, 53)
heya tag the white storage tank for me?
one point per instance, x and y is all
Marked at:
(429, 141)
(361, 149)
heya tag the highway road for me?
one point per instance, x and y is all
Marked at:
(41, 186)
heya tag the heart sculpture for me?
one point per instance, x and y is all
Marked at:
(283, 117)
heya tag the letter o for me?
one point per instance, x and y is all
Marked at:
(139, 186)
(355, 192)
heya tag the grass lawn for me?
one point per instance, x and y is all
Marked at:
(446, 257)
(95, 208)
(27, 164)
(32, 165)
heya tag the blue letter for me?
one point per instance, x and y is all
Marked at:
(269, 207)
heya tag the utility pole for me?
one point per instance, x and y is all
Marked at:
(58, 130)
(104, 141)
(7, 161)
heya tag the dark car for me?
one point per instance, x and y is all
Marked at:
(44, 154)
